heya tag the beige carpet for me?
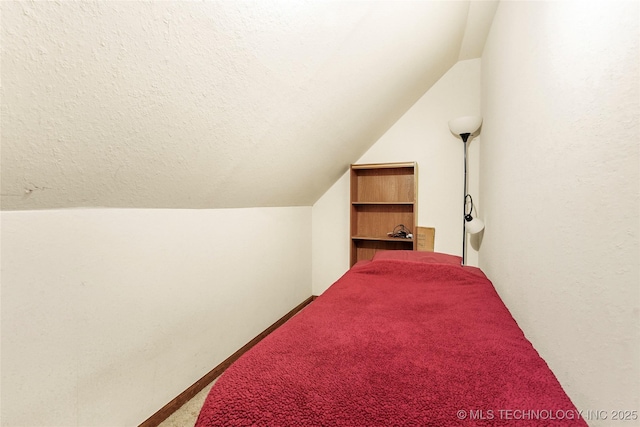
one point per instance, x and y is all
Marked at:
(188, 413)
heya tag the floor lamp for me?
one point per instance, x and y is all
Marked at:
(464, 127)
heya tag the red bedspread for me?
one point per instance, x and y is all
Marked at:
(394, 343)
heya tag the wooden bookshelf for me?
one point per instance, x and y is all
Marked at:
(383, 196)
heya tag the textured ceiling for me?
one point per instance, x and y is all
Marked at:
(211, 104)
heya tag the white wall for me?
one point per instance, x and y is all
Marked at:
(421, 135)
(108, 314)
(209, 104)
(560, 189)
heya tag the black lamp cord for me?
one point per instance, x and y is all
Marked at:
(467, 216)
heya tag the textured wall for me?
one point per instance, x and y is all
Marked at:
(560, 189)
(209, 104)
(108, 314)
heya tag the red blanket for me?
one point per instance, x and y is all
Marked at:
(394, 343)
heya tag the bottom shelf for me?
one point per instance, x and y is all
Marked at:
(366, 249)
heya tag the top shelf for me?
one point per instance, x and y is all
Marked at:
(411, 165)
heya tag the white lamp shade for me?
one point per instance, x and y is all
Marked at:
(474, 226)
(466, 124)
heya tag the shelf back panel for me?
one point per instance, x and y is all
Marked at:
(365, 250)
(377, 220)
(384, 185)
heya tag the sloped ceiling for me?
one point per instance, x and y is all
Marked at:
(211, 104)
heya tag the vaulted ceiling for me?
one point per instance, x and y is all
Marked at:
(211, 104)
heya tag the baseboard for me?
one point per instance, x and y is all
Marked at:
(171, 407)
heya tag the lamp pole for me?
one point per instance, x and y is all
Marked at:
(465, 137)
(464, 127)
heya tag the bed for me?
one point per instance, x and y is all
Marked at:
(406, 339)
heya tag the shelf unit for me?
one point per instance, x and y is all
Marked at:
(383, 195)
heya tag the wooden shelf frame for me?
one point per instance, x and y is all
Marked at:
(383, 196)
